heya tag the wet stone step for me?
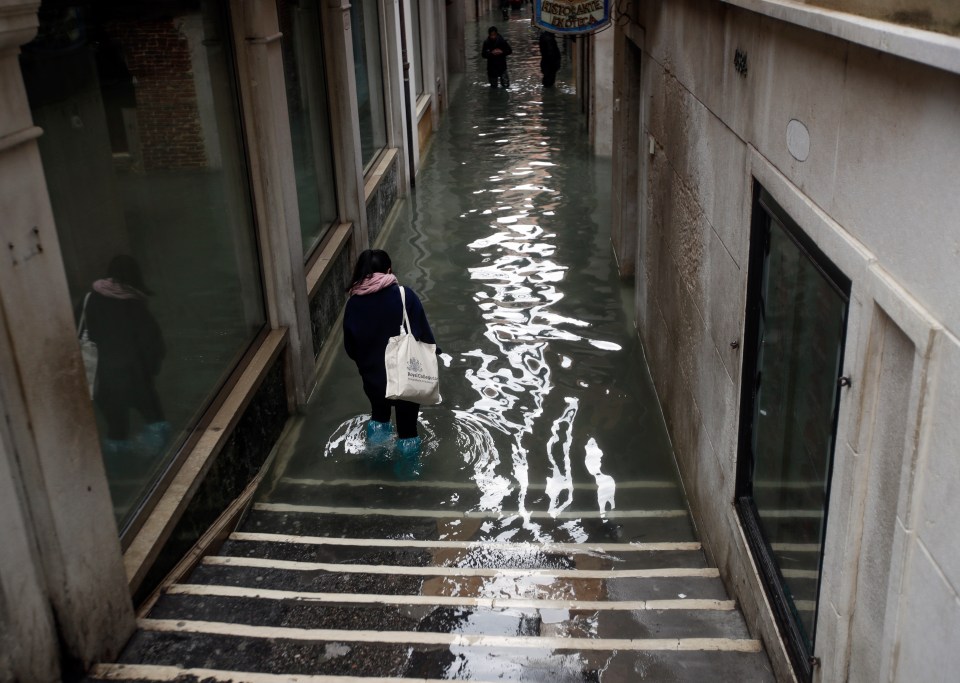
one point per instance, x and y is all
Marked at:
(446, 495)
(405, 557)
(540, 587)
(267, 655)
(318, 582)
(532, 661)
(478, 556)
(533, 619)
(510, 528)
(649, 623)
(594, 667)
(347, 616)
(633, 469)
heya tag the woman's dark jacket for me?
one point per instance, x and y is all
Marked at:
(496, 64)
(369, 321)
(129, 343)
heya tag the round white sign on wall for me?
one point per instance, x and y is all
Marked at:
(798, 140)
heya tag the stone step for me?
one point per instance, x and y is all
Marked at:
(432, 600)
(572, 619)
(464, 553)
(422, 655)
(443, 495)
(672, 526)
(666, 584)
(438, 464)
(434, 665)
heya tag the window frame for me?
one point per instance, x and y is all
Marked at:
(765, 210)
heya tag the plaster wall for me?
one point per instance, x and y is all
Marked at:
(456, 16)
(601, 108)
(877, 192)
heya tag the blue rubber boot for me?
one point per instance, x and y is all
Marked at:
(153, 439)
(378, 433)
(407, 464)
(119, 447)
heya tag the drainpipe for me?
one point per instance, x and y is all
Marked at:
(406, 91)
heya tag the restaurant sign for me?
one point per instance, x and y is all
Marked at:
(577, 17)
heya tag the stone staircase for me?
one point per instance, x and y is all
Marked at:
(318, 586)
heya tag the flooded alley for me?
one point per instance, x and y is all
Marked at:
(543, 535)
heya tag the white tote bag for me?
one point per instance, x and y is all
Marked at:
(88, 349)
(413, 373)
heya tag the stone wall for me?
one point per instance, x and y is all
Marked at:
(875, 189)
(382, 200)
(329, 299)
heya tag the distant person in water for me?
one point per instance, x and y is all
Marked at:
(495, 50)
(549, 58)
(373, 314)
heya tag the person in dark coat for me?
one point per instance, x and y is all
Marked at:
(373, 315)
(495, 50)
(549, 58)
(130, 350)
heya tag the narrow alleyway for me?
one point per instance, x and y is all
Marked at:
(544, 536)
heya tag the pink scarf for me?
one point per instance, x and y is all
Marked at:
(373, 283)
(115, 290)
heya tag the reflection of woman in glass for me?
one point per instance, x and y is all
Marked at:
(130, 350)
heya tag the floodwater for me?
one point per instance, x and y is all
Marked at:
(549, 429)
(543, 534)
(545, 508)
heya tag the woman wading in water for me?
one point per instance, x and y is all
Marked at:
(373, 314)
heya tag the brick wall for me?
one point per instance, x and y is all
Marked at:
(168, 121)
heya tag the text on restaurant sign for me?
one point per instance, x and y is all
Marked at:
(572, 16)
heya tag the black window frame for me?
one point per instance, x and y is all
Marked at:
(765, 209)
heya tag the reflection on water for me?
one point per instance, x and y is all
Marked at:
(549, 415)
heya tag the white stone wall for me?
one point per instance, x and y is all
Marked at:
(877, 192)
(601, 97)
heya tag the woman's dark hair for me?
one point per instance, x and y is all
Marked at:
(125, 270)
(369, 262)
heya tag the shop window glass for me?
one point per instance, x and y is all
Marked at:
(144, 163)
(309, 118)
(417, 56)
(365, 20)
(797, 310)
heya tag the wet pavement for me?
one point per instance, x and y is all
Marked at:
(543, 534)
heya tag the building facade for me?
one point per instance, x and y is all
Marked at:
(785, 196)
(186, 185)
